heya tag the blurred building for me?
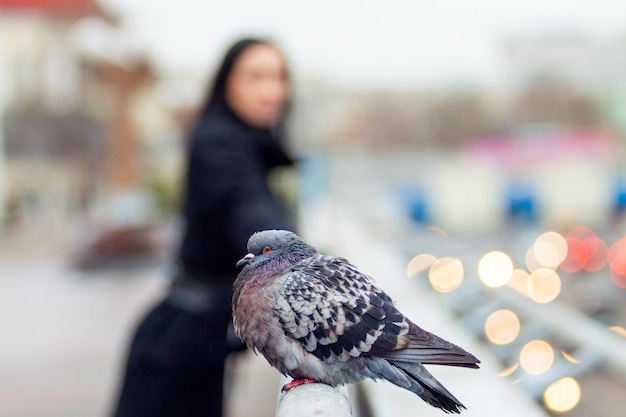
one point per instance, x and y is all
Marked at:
(578, 61)
(82, 112)
(565, 76)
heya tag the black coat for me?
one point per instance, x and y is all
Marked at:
(227, 195)
(176, 362)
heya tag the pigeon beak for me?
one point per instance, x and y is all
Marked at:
(245, 260)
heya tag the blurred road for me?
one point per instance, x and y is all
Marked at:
(65, 334)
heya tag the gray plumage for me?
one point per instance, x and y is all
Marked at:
(317, 316)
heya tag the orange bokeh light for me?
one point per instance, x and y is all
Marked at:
(585, 251)
(617, 256)
(562, 395)
(617, 262)
(446, 274)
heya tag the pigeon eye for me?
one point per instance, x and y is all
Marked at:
(267, 249)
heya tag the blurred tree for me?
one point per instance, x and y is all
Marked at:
(414, 120)
(460, 116)
(549, 100)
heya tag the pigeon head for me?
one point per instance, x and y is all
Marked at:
(278, 247)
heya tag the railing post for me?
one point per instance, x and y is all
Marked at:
(314, 400)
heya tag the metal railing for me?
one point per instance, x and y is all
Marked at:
(314, 400)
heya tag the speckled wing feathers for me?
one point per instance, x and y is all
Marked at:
(336, 312)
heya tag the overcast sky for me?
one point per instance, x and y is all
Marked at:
(364, 42)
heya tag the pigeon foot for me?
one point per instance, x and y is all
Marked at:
(297, 382)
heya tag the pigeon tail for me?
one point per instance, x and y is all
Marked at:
(428, 388)
(429, 349)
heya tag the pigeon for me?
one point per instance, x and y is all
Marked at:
(317, 318)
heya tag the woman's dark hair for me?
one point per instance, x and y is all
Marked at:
(217, 97)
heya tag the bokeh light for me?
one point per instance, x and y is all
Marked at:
(569, 358)
(581, 232)
(531, 260)
(550, 249)
(617, 262)
(446, 274)
(519, 281)
(562, 395)
(585, 251)
(438, 230)
(619, 330)
(594, 255)
(544, 285)
(502, 327)
(419, 263)
(508, 371)
(536, 357)
(495, 269)
(618, 279)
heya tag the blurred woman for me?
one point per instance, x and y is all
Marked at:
(176, 362)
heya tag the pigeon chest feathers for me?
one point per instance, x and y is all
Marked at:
(252, 313)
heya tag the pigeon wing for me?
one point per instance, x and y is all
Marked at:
(337, 312)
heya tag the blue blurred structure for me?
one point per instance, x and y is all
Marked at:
(414, 202)
(521, 204)
(620, 196)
